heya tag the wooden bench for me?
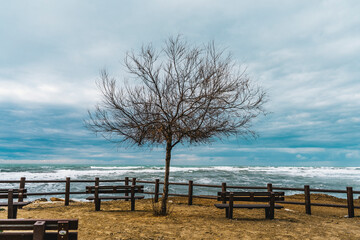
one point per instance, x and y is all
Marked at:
(124, 189)
(269, 197)
(39, 229)
(12, 206)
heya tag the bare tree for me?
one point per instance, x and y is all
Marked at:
(187, 94)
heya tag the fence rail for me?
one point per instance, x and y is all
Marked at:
(223, 187)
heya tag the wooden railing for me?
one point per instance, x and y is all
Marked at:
(190, 191)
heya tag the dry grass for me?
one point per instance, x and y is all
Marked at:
(156, 208)
(202, 220)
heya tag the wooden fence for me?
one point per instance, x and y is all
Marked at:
(190, 191)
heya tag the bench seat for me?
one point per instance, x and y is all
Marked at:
(21, 204)
(37, 229)
(249, 206)
(13, 209)
(266, 199)
(128, 192)
(13, 206)
(114, 197)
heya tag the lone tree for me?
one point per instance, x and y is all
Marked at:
(185, 94)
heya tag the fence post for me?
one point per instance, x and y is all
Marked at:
(307, 199)
(126, 184)
(97, 181)
(11, 208)
(269, 187)
(272, 206)
(22, 186)
(67, 191)
(133, 198)
(134, 181)
(97, 200)
(350, 201)
(223, 191)
(190, 196)
(231, 205)
(21, 190)
(156, 190)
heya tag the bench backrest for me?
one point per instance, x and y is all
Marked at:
(116, 189)
(16, 193)
(251, 196)
(39, 226)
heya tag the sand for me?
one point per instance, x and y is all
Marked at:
(201, 220)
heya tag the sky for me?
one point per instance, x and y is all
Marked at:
(305, 54)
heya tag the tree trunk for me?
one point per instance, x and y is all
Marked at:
(166, 178)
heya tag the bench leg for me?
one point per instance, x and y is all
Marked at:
(230, 214)
(231, 205)
(15, 212)
(97, 204)
(39, 230)
(271, 213)
(272, 206)
(132, 204)
(267, 213)
(132, 198)
(12, 212)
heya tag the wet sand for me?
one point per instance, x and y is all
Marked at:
(201, 220)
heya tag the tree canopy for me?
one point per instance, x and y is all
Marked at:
(185, 94)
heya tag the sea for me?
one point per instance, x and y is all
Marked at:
(295, 177)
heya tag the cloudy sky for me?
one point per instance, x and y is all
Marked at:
(306, 54)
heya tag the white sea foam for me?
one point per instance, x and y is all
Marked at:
(116, 167)
(316, 177)
(318, 172)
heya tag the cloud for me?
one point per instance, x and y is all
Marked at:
(36, 86)
(300, 157)
(353, 154)
(304, 54)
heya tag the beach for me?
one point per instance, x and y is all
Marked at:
(200, 220)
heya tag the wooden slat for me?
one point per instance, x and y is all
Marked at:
(29, 236)
(117, 186)
(4, 204)
(116, 191)
(114, 197)
(250, 196)
(251, 199)
(252, 193)
(6, 190)
(250, 206)
(28, 224)
(17, 193)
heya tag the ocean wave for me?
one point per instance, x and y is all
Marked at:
(116, 167)
(316, 177)
(113, 171)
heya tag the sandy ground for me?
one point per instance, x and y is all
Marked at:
(201, 220)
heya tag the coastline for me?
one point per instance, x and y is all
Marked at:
(288, 177)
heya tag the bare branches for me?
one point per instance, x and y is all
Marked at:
(188, 94)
